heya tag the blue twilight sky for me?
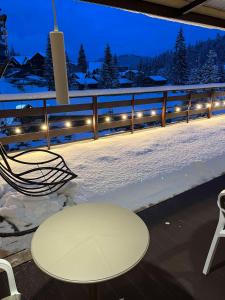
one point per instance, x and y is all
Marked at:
(29, 22)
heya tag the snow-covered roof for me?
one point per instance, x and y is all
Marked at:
(124, 81)
(12, 73)
(80, 75)
(34, 78)
(97, 77)
(86, 81)
(157, 78)
(39, 52)
(133, 71)
(20, 106)
(94, 65)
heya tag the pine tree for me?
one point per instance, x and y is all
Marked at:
(107, 72)
(48, 72)
(115, 72)
(210, 70)
(82, 61)
(180, 60)
(195, 73)
(221, 72)
(69, 71)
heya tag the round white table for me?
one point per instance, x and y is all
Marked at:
(90, 243)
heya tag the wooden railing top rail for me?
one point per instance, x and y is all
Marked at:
(111, 92)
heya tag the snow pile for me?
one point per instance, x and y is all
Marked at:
(133, 170)
(21, 213)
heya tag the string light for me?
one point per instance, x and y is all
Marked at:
(224, 102)
(217, 104)
(177, 109)
(88, 122)
(18, 130)
(208, 105)
(68, 124)
(139, 114)
(44, 127)
(153, 113)
(199, 106)
(124, 117)
(107, 119)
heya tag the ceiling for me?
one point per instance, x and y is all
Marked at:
(210, 13)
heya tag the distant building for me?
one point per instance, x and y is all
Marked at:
(36, 63)
(18, 60)
(21, 65)
(86, 83)
(124, 82)
(154, 80)
(131, 74)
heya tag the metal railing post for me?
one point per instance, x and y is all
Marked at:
(95, 116)
(132, 114)
(47, 124)
(165, 96)
(210, 108)
(189, 107)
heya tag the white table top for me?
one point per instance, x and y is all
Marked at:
(90, 242)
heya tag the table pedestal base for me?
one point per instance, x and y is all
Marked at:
(93, 292)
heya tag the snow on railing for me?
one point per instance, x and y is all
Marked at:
(34, 119)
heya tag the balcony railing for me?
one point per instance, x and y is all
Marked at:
(95, 113)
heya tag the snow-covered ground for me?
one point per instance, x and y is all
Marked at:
(134, 170)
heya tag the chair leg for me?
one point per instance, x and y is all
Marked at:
(214, 244)
(5, 265)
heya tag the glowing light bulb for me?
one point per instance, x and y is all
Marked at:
(208, 105)
(107, 119)
(44, 127)
(223, 102)
(68, 124)
(124, 117)
(177, 109)
(153, 113)
(88, 122)
(199, 106)
(18, 130)
(140, 114)
(217, 104)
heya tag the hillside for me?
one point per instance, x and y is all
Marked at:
(161, 64)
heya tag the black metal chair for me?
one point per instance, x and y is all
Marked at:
(40, 178)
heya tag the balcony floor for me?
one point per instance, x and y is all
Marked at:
(172, 267)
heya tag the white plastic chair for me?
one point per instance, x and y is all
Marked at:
(220, 232)
(14, 294)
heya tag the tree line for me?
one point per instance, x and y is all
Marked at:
(193, 64)
(108, 76)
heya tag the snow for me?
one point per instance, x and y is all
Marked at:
(86, 81)
(124, 81)
(80, 75)
(133, 170)
(9, 90)
(28, 212)
(157, 78)
(28, 95)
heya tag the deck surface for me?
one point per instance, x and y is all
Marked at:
(181, 231)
